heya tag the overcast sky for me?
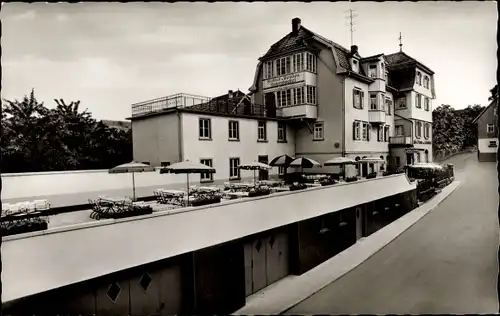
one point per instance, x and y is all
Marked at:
(111, 55)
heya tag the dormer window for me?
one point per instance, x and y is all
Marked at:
(426, 82)
(355, 65)
(372, 72)
(419, 78)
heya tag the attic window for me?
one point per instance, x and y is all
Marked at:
(354, 62)
(373, 71)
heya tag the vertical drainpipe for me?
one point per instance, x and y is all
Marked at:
(180, 139)
(343, 142)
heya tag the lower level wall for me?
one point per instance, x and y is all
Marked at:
(218, 279)
(486, 157)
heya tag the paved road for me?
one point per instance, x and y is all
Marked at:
(444, 264)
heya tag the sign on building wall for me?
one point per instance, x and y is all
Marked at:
(283, 80)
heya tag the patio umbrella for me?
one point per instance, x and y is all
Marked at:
(132, 167)
(340, 161)
(304, 162)
(187, 167)
(281, 161)
(255, 166)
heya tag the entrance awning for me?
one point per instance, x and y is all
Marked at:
(414, 150)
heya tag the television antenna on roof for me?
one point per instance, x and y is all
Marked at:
(400, 42)
(352, 15)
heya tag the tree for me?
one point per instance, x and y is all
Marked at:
(493, 93)
(448, 129)
(35, 138)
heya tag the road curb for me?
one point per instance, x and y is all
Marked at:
(283, 295)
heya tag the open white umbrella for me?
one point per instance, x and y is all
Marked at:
(303, 162)
(187, 167)
(254, 166)
(132, 167)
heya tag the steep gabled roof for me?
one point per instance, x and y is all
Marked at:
(494, 103)
(402, 78)
(401, 60)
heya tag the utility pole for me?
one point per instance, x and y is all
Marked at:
(400, 42)
(352, 15)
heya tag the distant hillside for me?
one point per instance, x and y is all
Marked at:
(121, 125)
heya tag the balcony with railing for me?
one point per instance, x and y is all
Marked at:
(401, 141)
(179, 100)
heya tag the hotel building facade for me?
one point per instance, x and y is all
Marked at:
(310, 97)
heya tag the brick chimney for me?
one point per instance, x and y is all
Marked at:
(354, 49)
(295, 25)
(230, 94)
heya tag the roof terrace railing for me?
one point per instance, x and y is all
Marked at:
(179, 100)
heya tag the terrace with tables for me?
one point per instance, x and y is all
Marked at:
(37, 215)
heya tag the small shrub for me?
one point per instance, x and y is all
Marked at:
(371, 175)
(351, 179)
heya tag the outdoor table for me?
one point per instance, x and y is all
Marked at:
(172, 192)
(270, 182)
(237, 194)
(209, 189)
(312, 185)
(280, 189)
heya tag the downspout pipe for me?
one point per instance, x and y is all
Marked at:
(179, 136)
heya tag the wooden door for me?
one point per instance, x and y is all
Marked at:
(248, 268)
(259, 278)
(359, 223)
(264, 174)
(277, 265)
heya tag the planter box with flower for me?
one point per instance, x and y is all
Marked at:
(259, 191)
(351, 179)
(205, 200)
(20, 224)
(298, 186)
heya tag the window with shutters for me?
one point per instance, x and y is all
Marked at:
(365, 131)
(380, 134)
(419, 78)
(356, 130)
(358, 95)
(386, 133)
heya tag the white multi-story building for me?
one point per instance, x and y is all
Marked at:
(222, 132)
(341, 104)
(310, 97)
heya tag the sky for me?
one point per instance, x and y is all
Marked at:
(111, 55)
